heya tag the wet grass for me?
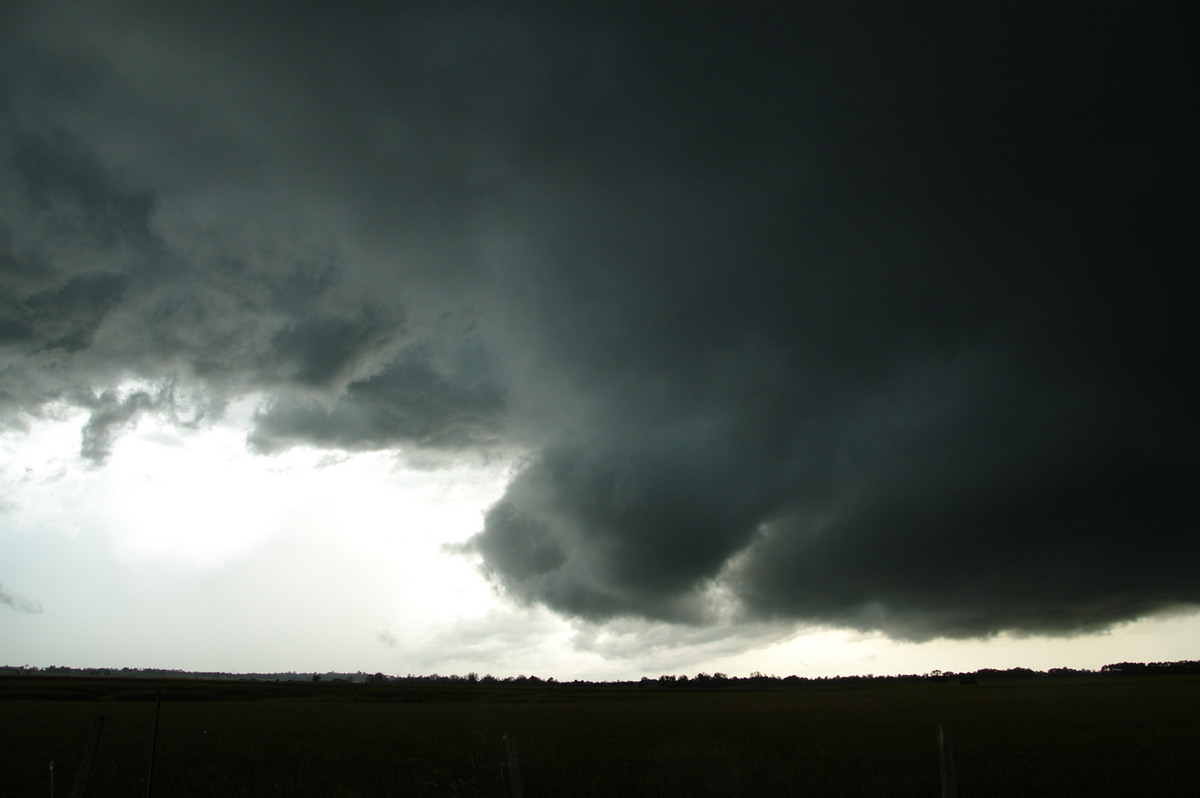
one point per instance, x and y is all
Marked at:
(1047, 737)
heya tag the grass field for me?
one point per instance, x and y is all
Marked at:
(1090, 736)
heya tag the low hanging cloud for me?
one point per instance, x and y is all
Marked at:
(870, 318)
(19, 603)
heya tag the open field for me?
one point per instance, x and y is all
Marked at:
(1088, 736)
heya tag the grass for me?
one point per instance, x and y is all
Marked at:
(1047, 737)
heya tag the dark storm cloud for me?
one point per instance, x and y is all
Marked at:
(410, 401)
(866, 316)
(894, 334)
(110, 413)
(162, 225)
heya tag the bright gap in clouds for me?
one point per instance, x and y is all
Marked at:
(200, 499)
(186, 550)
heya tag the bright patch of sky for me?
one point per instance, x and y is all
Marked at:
(205, 541)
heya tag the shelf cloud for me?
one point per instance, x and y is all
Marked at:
(848, 315)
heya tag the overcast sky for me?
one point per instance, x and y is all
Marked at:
(598, 340)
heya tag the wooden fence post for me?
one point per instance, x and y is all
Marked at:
(89, 757)
(514, 764)
(946, 758)
(153, 746)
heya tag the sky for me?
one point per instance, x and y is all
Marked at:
(598, 340)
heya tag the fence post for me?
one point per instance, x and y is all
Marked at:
(89, 757)
(946, 758)
(153, 746)
(514, 764)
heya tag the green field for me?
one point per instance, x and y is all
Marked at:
(1088, 736)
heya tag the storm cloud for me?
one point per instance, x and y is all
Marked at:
(846, 314)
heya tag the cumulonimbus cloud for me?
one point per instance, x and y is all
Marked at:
(871, 319)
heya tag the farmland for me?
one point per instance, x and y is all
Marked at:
(1087, 736)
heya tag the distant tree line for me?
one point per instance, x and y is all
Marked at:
(701, 681)
(1153, 668)
(167, 673)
